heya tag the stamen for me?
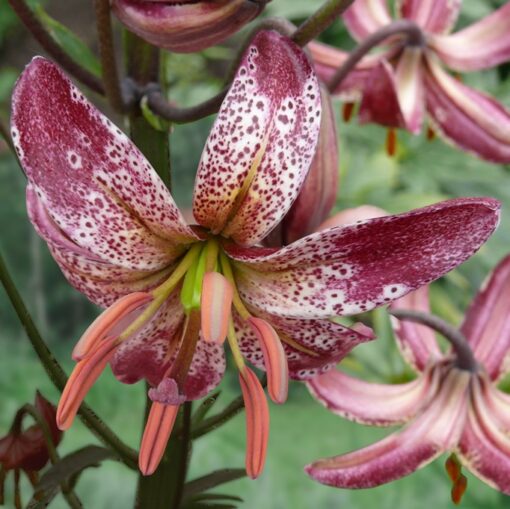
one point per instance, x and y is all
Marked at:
(294, 344)
(347, 111)
(431, 134)
(459, 481)
(215, 307)
(155, 436)
(391, 142)
(192, 285)
(458, 489)
(226, 268)
(103, 324)
(275, 359)
(453, 467)
(257, 422)
(85, 373)
(234, 346)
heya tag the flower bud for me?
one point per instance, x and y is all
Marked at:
(319, 191)
(185, 26)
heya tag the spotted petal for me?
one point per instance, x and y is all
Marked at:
(312, 346)
(487, 323)
(401, 453)
(481, 45)
(416, 342)
(469, 119)
(372, 403)
(351, 269)
(94, 183)
(262, 143)
(365, 17)
(436, 16)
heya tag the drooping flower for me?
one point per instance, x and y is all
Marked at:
(400, 84)
(26, 449)
(186, 26)
(116, 233)
(447, 408)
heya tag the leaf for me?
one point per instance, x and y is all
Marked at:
(69, 41)
(204, 408)
(212, 480)
(218, 501)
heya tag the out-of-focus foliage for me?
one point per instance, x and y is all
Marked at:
(422, 172)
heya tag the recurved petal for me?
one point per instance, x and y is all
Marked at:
(94, 183)
(481, 45)
(312, 346)
(372, 403)
(401, 453)
(354, 268)
(473, 121)
(416, 342)
(487, 322)
(436, 16)
(365, 17)
(262, 143)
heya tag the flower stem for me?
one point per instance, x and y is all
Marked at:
(320, 20)
(57, 374)
(107, 53)
(401, 27)
(43, 37)
(465, 358)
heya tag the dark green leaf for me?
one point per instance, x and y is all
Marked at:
(212, 480)
(205, 407)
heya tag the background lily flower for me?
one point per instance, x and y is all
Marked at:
(26, 449)
(446, 408)
(403, 82)
(186, 26)
(116, 233)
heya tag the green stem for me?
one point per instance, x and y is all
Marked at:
(57, 374)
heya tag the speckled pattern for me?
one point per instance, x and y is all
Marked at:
(330, 341)
(351, 269)
(270, 120)
(95, 184)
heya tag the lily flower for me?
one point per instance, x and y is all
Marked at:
(25, 449)
(174, 291)
(405, 81)
(453, 406)
(186, 26)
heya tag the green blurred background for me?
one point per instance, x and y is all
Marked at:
(301, 431)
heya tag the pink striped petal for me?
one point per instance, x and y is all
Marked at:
(311, 346)
(327, 60)
(365, 17)
(371, 403)
(262, 143)
(401, 453)
(351, 269)
(473, 121)
(481, 45)
(416, 342)
(95, 184)
(215, 306)
(487, 323)
(496, 401)
(436, 16)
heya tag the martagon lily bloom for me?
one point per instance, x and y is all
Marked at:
(173, 292)
(403, 81)
(447, 408)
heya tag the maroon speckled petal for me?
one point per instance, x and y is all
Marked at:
(264, 139)
(436, 16)
(365, 17)
(487, 323)
(95, 184)
(416, 342)
(351, 269)
(470, 119)
(330, 342)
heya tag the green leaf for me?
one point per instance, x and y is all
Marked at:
(212, 480)
(70, 42)
(204, 408)
(156, 122)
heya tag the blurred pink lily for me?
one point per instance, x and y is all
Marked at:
(447, 408)
(173, 291)
(403, 82)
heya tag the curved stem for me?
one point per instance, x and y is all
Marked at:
(37, 29)
(320, 20)
(57, 374)
(107, 53)
(400, 27)
(465, 357)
